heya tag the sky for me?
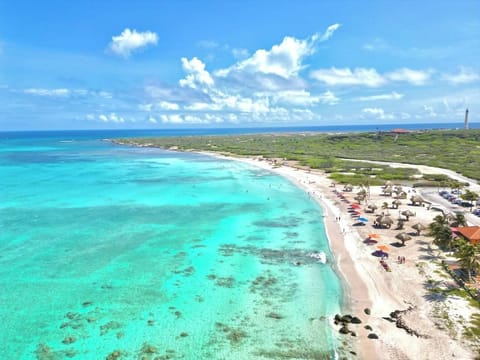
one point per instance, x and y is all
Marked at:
(230, 63)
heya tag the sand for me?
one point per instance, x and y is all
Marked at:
(368, 285)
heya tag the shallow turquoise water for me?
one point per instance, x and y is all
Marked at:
(106, 248)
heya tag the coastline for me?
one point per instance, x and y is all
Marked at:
(367, 285)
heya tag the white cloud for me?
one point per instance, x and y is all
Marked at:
(112, 117)
(392, 96)
(415, 77)
(152, 120)
(129, 41)
(166, 105)
(345, 76)
(302, 98)
(377, 113)
(284, 60)
(196, 74)
(329, 32)
(369, 77)
(464, 76)
(48, 92)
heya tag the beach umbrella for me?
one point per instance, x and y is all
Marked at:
(363, 219)
(348, 187)
(383, 248)
(408, 213)
(401, 195)
(416, 199)
(396, 203)
(384, 220)
(419, 227)
(372, 206)
(373, 236)
(403, 237)
(388, 190)
(355, 206)
(388, 183)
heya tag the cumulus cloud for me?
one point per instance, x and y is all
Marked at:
(345, 76)
(392, 96)
(129, 41)
(414, 77)
(284, 59)
(196, 73)
(464, 76)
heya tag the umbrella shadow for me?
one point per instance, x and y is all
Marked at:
(397, 244)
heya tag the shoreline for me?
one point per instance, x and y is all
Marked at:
(367, 285)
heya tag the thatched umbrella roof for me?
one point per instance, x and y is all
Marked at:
(402, 195)
(388, 183)
(348, 187)
(388, 190)
(416, 198)
(384, 220)
(396, 202)
(372, 206)
(419, 227)
(408, 213)
(403, 237)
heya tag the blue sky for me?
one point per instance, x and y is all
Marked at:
(177, 64)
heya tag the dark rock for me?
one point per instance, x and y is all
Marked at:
(344, 330)
(87, 303)
(353, 353)
(368, 327)
(274, 315)
(183, 334)
(338, 318)
(367, 311)
(372, 336)
(353, 333)
(69, 340)
(347, 318)
(356, 320)
(114, 355)
(151, 322)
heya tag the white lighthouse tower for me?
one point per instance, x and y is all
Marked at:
(465, 125)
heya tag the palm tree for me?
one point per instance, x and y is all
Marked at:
(469, 256)
(458, 220)
(440, 230)
(470, 196)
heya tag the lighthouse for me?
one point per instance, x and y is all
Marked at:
(466, 120)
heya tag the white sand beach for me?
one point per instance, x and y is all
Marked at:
(369, 285)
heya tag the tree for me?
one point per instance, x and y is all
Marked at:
(470, 196)
(440, 230)
(469, 256)
(458, 220)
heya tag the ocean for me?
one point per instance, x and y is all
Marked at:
(113, 252)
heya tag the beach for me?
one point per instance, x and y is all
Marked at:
(369, 286)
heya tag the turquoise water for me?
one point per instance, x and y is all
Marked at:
(141, 253)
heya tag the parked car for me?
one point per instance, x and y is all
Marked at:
(476, 212)
(443, 192)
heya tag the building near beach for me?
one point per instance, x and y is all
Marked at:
(470, 233)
